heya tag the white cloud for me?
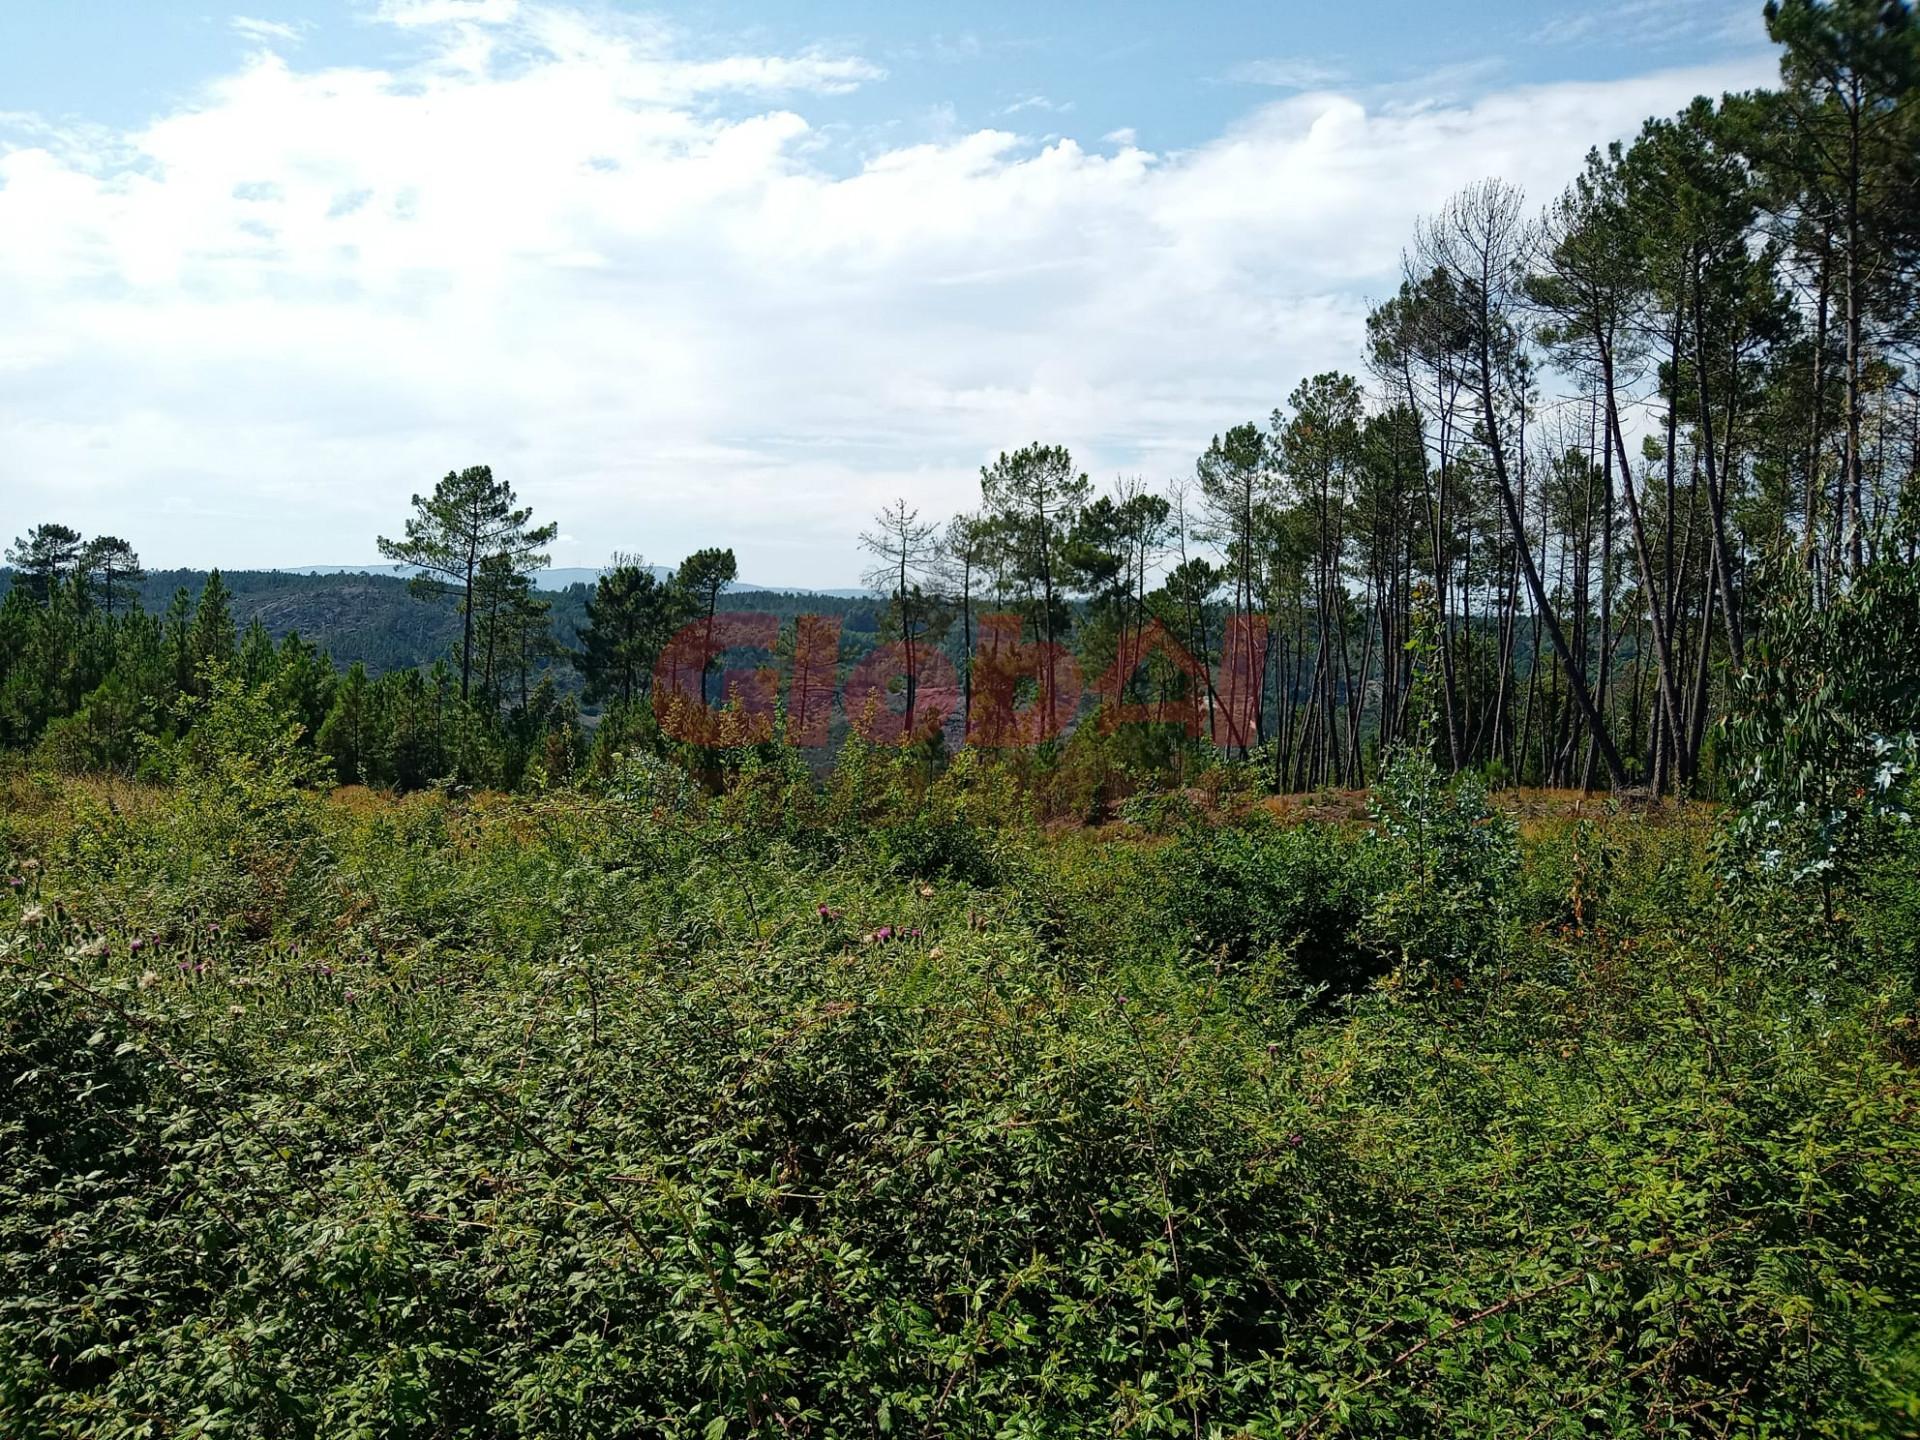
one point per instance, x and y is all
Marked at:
(245, 332)
(1039, 102)
(264, 31)
(1653, 24)
(1287, 74)
(444, 12)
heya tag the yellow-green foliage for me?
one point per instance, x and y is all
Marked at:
(651, 1113)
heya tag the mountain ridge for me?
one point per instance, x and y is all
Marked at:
(560, 577)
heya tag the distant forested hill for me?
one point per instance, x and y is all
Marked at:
(369, 618)
(373, 618)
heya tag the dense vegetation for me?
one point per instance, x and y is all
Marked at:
(1595, 444)
(873, 1108)
(102, 673)
(733, 1100)
(465, 1044)
(347, 617)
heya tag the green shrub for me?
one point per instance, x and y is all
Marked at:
(1453, 859)
(572, 1115)
(1823, 723)
(1293, 897)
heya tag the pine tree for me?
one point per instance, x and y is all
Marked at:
(213, 640)
(45, 556)
(630, 617)
(469, 520)
(112, 570)
(703, 578)
(345, 736)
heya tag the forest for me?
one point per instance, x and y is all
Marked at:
(1410, 928)
(1592, 442)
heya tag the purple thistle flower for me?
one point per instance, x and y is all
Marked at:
(15, 881)
(137, 947)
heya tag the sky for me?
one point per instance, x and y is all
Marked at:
(727, 273)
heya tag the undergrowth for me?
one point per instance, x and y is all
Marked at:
(643, 1112)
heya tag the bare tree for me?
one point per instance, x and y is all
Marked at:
(1480, 238)
(905, 565)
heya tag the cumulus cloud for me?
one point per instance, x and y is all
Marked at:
(647, 289)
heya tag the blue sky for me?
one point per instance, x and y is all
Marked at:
(1176, 74)
(725, 273)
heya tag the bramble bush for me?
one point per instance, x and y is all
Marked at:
(647, 1111)
(1256, 892)
(1454, 859)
